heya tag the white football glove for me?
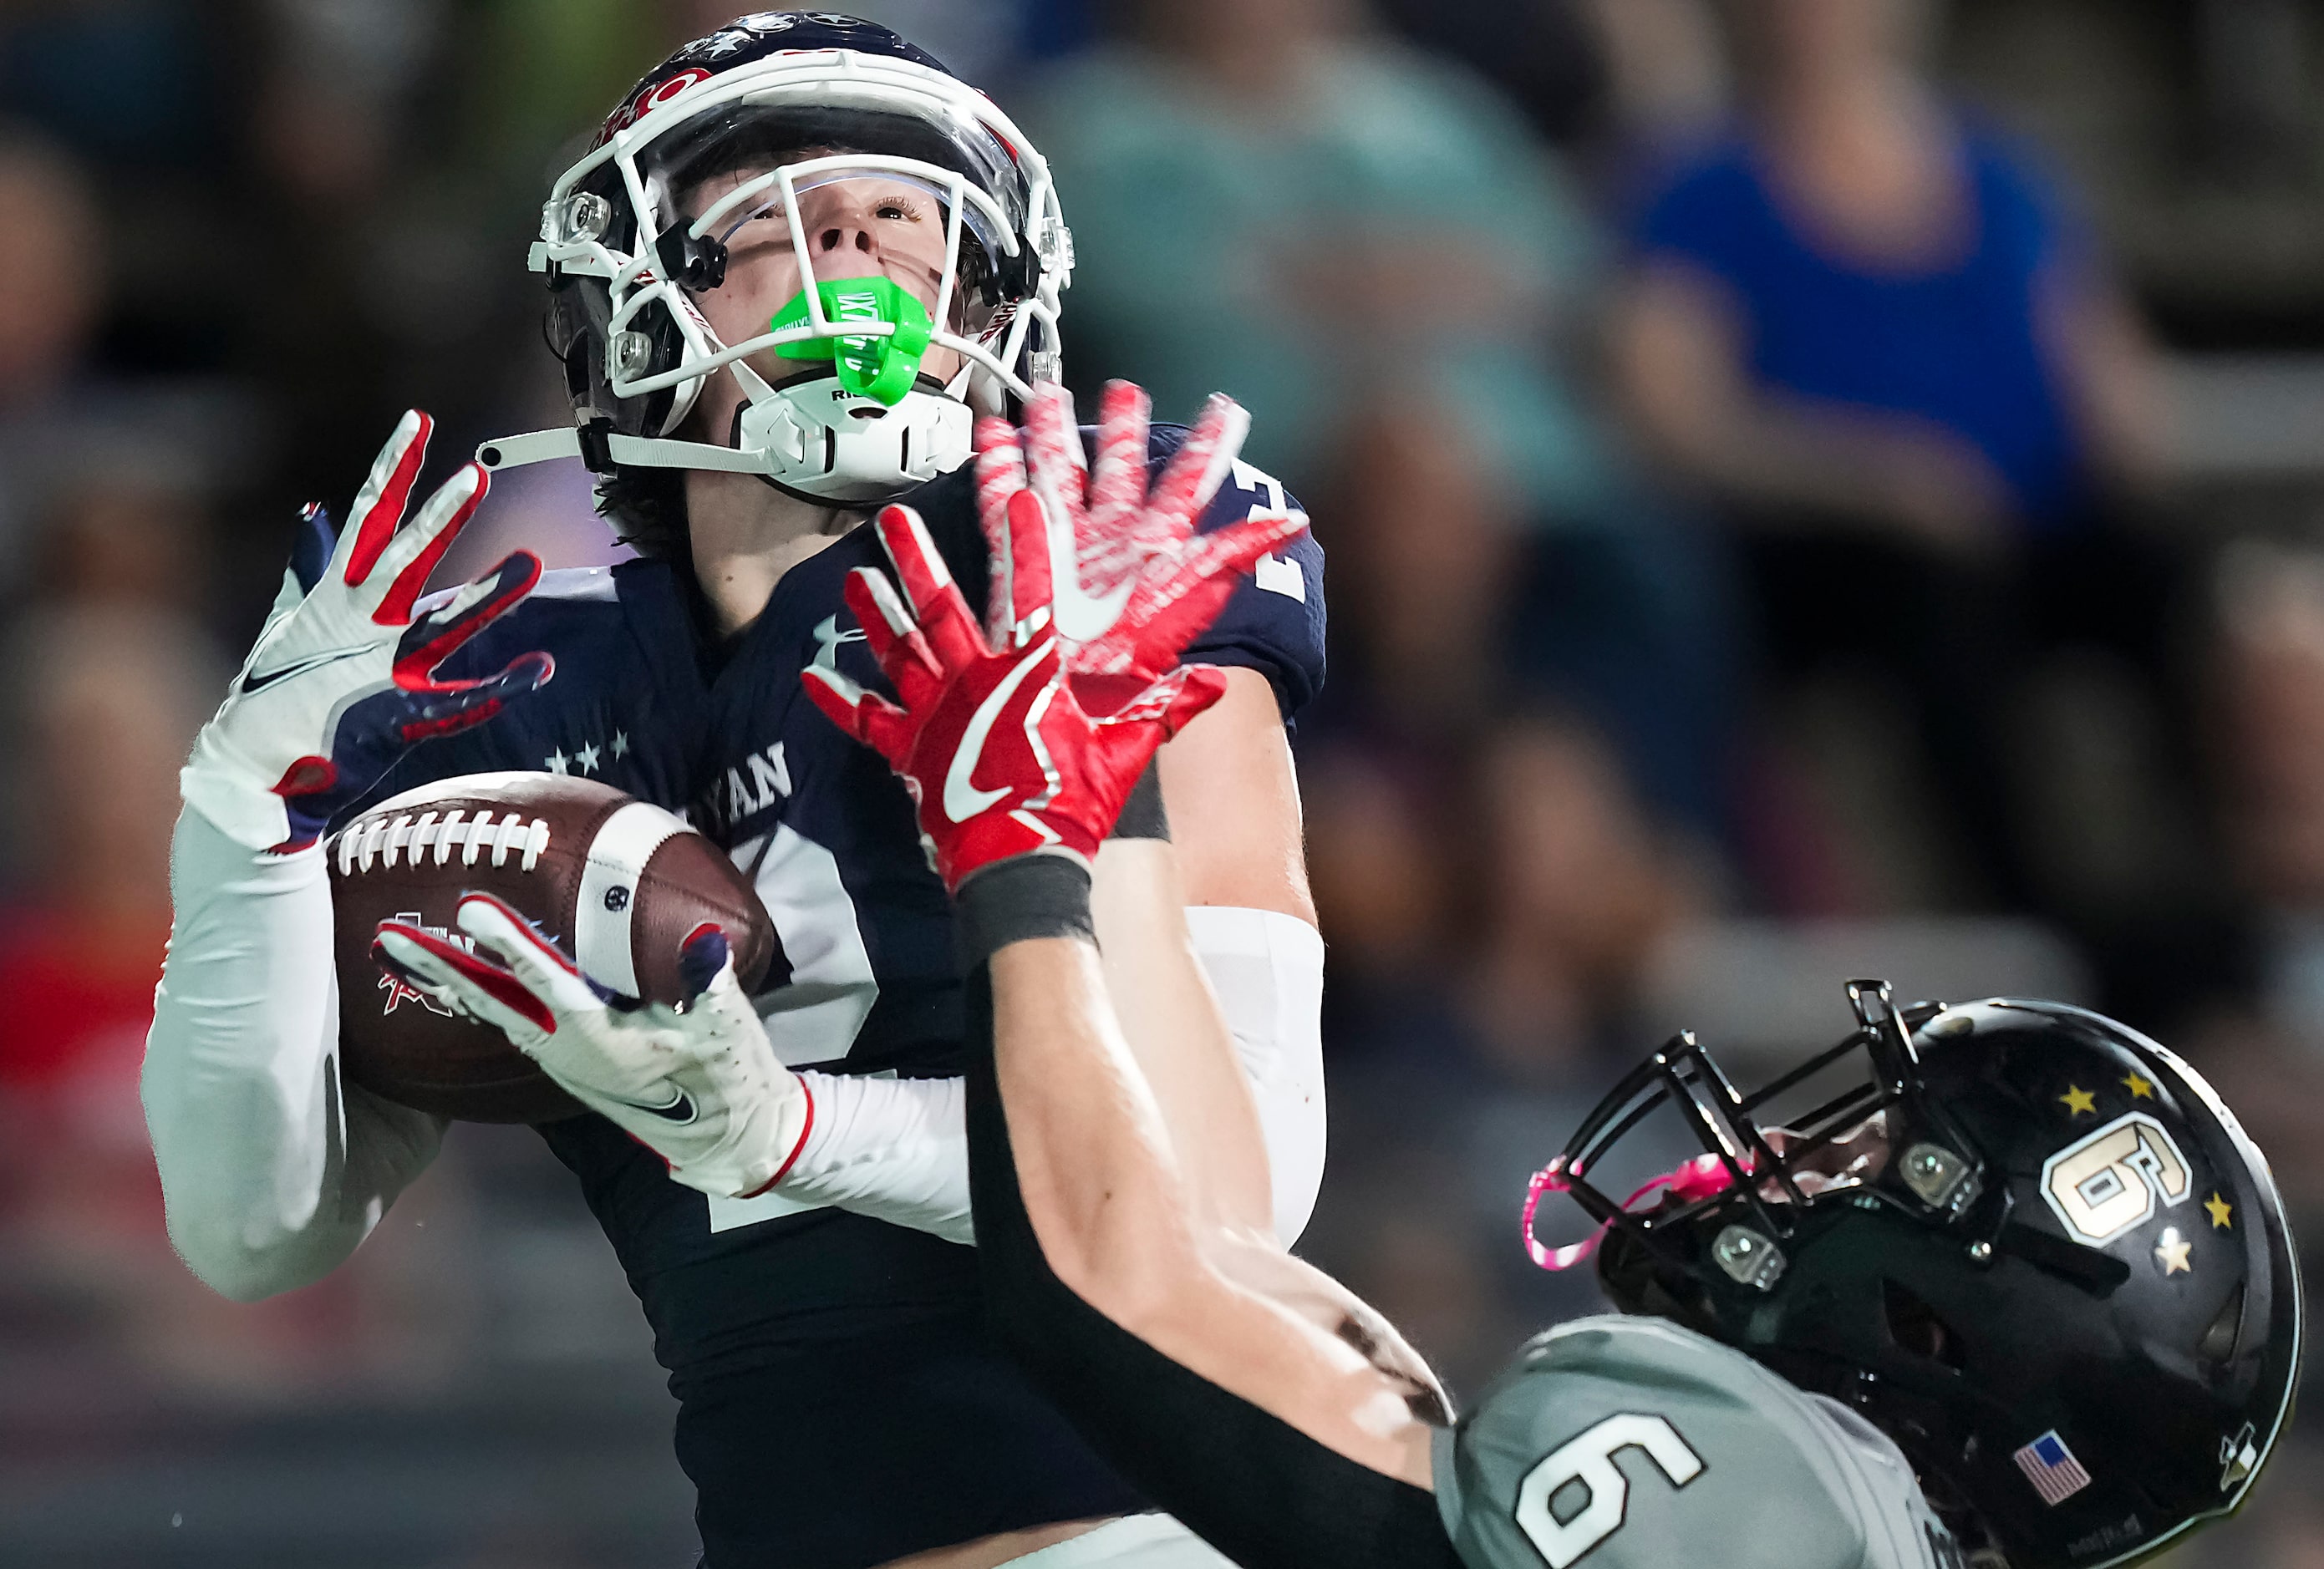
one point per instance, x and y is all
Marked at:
(342, 679)
(698, 1085)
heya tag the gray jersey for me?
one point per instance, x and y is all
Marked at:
(1632, 1444)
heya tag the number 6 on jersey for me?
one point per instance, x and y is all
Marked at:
(1589, 1459)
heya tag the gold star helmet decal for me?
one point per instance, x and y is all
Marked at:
(2221, 1212)
(2170, 1251)
(2140, 1089)
(2079, 1101)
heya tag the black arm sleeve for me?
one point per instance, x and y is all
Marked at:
(1251, 1485)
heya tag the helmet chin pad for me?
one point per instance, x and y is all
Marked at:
(820, 440)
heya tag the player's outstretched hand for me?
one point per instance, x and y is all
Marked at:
(699, 1086)
(1144, 581)
(343, 679)
(999, 754)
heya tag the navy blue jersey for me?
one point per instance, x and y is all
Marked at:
(839, 1405)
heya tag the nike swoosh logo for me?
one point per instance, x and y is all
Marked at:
(1080, 617)
(1086, 618)
(680, 1109)
(962, 799)
(256, 681)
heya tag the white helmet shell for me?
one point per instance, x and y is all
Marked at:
(627, 264)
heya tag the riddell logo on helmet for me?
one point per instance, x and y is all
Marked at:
(650, 100)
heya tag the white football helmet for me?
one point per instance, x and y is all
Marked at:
(784, 104)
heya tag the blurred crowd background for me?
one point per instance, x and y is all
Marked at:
(1813, 488)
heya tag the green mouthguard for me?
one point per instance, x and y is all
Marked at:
(883, 366)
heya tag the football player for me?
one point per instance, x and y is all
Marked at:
(2014, 1288)
(799, 264)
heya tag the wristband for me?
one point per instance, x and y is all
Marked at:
(1021, 898)
(1142, 815)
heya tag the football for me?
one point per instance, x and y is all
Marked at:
(617, 883)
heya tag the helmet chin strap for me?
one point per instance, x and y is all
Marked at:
(866, 427)
(811, 439)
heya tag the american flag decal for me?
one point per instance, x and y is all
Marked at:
(2051, 1468)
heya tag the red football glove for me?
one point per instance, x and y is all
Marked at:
(1143, 583)
(999, 756)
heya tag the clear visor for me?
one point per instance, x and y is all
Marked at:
(851, 222)
(760, 203)
(762, 133)
(868, 188)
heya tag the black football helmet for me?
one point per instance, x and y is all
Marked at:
(2028, 1243)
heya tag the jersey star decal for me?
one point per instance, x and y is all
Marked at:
(2170, 1251)
(586, 756)
(2140, 1089)
(621, 745)
(556, 761)
(2078, 1100)
(2221, 1212)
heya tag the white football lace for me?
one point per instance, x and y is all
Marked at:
(387, 838)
